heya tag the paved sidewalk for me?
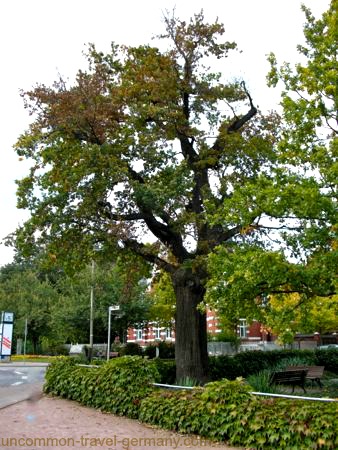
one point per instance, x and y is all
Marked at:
(44, 423)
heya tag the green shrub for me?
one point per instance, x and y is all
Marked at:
(63, 377)
(166, 369)
(327, 358)
(247, 363)
(131, 348)
(299, 360)
(166, 350)
(150, 351)
(223, 367)
(117, 386)
(260, 381)
(226, 411)
(225, 336)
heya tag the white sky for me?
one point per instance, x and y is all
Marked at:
(41, 38)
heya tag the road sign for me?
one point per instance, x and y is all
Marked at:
(6, 332)
(8, 316)
(114, 308)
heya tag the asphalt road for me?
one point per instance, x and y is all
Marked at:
(15, 376)
(20, 382)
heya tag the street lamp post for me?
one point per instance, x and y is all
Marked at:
(110, 309)
(91, 319)
(25, 341)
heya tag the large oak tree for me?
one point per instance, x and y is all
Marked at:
(151, 142)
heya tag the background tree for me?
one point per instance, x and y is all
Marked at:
(162, 310)
(31, 299)
(122, 284)
(303, 256)
(290, 314)
(58, 310)
(154, 142)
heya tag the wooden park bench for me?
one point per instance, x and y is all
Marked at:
(314, 373)
(290, 377)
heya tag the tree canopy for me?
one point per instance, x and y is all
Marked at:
(57, 308)
(303, 256)
(152, 152)
(288, 315)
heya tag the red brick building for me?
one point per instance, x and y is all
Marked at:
(248, 333)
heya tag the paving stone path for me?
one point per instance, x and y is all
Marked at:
(46, 423)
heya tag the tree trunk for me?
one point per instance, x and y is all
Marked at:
(191, 331)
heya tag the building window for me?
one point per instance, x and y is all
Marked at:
(139, 334)
(243, 328)
(157, 333)
(168, 333)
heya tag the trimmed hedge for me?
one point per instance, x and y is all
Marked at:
(327, 358)
(118, 386)
(226, 411)
(223, 410)
(249, 363)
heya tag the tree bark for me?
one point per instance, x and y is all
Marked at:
(191, 331)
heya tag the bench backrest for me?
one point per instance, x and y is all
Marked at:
(289, 376)
(312, 371)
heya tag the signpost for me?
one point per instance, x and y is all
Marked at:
(6, 333)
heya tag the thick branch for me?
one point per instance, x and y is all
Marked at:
(167, 236)
(238, 123)
(144, 251)
(215, 236)
(164, 232)
(187, 148)
(282, 227)
(135, 175)
(220, 235)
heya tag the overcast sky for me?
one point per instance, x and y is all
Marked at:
(41, 38)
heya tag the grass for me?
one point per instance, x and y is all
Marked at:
(260, 382)
(32, 358)
(187, 382)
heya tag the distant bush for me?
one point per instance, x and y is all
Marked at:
(166, 370)
(166, 350)
(247, 363)
(132, 348)
(327, 358)
(150, 351)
